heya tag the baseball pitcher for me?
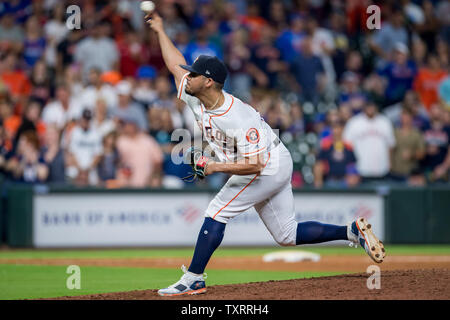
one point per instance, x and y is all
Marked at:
(261, 168)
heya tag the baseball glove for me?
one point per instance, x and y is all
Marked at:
(198, 162)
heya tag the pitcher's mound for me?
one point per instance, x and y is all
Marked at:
(428, 284)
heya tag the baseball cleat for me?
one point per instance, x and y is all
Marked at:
(188, 284)
(360, 232)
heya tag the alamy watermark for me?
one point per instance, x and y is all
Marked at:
(74, 19)
(374, 20)
(74, 280)
(374, 280)
(226, 146)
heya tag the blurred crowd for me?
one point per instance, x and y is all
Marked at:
(96, 106)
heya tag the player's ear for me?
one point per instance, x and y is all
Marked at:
(209, 83)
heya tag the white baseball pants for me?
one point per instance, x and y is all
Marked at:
(270, 195)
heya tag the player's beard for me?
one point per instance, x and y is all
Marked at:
(189, 92)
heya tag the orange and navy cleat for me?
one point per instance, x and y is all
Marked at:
(189, 284)
(360, 232)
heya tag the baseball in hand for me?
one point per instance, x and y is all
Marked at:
(147, 6)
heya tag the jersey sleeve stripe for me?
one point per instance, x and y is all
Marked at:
(181, 86)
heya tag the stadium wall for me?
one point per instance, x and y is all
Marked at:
(2, 212)
(46, 216)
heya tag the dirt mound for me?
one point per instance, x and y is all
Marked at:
(428, 284)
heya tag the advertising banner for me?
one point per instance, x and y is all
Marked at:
(174, 219)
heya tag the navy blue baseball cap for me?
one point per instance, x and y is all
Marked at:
(210, 67)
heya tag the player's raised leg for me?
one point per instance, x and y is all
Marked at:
(277, 214)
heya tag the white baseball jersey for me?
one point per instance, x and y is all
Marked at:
(236, 130)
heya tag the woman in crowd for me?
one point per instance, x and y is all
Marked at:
(109, 160)
(27, 165)
(31, 120)
(53, 155)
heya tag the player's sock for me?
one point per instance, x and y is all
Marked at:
(315, 232)
(209, 238)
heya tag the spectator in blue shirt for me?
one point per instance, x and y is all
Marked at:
(329, 120)
(20, 9)
(289, 42)
(308, 70)
(400, 74)
(266, 59)
(437, 141)
(385, 39)
(444, 91)
(34, 44)
(351, 92)
(336, 162)
(230, 19)
(201, 45)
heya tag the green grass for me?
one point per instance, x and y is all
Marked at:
(30, 282)
(221, 252)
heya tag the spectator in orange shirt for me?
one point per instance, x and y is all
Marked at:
(427, 81)
(9, 121)
(254, 22)
(15, 80)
